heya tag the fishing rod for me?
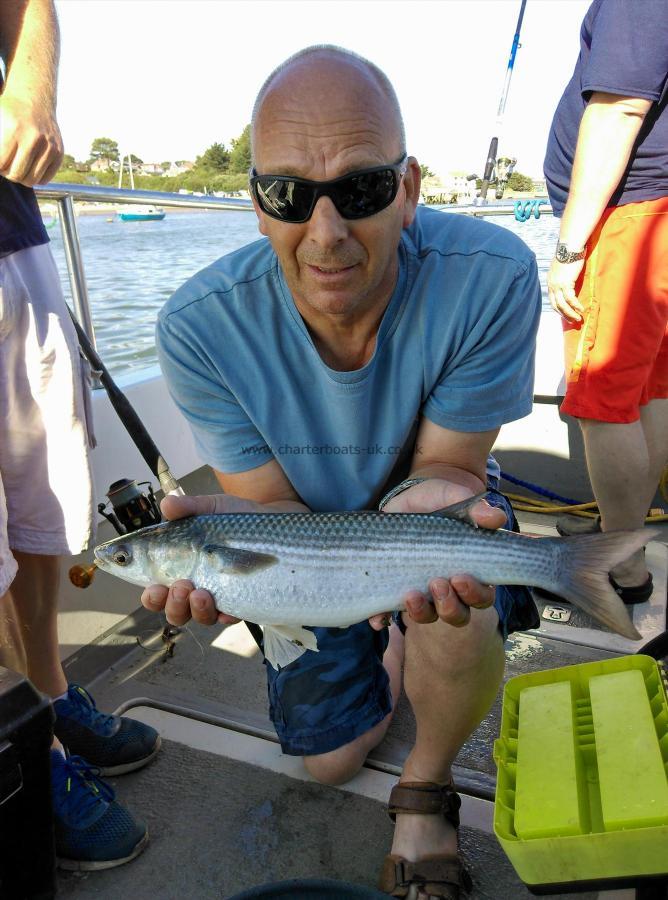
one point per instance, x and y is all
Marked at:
(131, 508)
(498, 171)
(126, 413)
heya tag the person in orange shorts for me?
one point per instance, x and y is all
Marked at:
(606, 168)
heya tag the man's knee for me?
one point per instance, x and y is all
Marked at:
(342, 764)
(338, 766)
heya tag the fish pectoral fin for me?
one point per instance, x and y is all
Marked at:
(236, 561)
(461, 510)
(284, 644)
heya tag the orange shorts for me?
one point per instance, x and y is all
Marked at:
(617, 359)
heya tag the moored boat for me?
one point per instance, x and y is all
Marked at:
(143, 214)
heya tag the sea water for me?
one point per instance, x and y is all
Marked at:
(131, 268)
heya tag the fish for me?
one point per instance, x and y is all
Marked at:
(292, 571)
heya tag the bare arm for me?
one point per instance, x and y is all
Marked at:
(608, 130)
(31, 148)
(267, 485)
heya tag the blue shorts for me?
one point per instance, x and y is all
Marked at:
(327, 699)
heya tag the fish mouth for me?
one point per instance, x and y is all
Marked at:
(101, 559)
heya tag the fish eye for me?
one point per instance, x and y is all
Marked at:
(121, 557)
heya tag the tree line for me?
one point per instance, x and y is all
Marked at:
(219, 168)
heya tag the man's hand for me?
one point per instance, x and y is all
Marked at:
(181, 601)
(31, 148)
(561, 289)
(451, 599)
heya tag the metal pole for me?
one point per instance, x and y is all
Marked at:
(68, 226)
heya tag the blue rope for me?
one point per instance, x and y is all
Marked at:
(525, 208)
(543, 492)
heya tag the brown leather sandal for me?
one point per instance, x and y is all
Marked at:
(438, 874)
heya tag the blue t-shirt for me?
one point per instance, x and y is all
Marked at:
(21, 222)
(623, 50)
(455, 344)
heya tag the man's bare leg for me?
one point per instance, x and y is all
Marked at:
(625, 462)
(12, 653)
(451, 677)
(34, 593)
(12, 649)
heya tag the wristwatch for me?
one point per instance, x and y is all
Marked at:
(564, 255)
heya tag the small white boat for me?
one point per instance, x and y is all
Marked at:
(142, 214)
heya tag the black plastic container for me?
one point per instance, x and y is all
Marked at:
(27, 850)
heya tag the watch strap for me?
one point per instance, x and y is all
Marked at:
(399, 489)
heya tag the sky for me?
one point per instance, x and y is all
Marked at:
(168, 78)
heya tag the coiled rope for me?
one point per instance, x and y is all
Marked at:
(558, 504)
(524, 209)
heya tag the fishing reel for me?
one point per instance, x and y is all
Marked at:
(504, 169)
(130, 510)
(497, 172)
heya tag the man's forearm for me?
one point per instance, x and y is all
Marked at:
(30, 46)
(608, 130)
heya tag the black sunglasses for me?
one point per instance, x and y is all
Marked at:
(355, 196)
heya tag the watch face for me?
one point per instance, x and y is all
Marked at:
(564, 255)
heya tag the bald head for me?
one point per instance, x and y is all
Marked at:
(325, 95)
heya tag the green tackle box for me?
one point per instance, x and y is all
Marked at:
(582, 786)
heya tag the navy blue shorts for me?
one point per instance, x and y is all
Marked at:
(327, 699)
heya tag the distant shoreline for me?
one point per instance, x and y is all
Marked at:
(99, 209)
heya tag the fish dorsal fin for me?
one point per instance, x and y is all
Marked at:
(235, 561)
(283, 644)
(461, 510)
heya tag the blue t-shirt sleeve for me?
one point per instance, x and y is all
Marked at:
(224, 433)
(489, 380)
(629, 49)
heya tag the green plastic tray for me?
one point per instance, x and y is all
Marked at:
(582, 787)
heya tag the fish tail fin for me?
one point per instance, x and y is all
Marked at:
(585, 564)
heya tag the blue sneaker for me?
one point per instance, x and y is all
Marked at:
(92, 830)
(113, 744)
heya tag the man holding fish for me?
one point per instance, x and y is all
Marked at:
(405, 338)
